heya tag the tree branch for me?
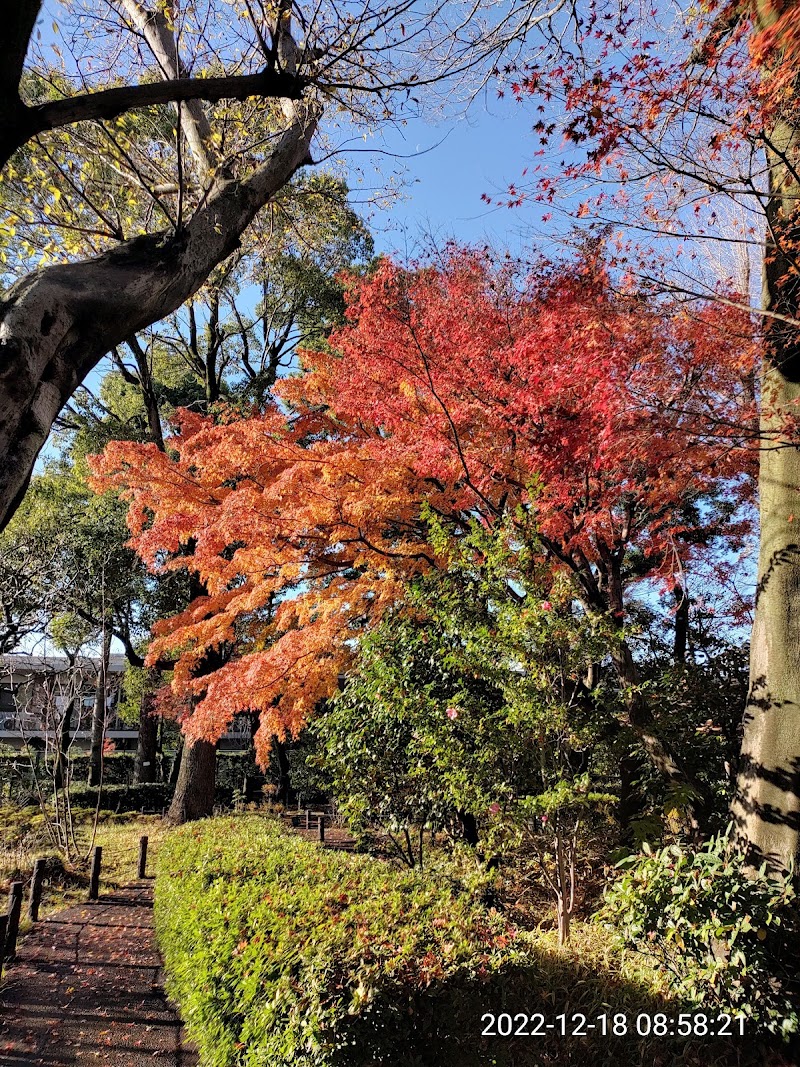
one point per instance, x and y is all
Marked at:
(109, 103)
(59, 321)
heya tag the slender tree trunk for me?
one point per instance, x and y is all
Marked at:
(99, 713)
(563, 908)
(194, 792)
(681, 638)
(148, 739)
(60, 766)
(766, 807)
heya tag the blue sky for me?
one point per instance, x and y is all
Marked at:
(447, 169)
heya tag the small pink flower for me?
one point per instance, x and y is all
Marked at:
(452, 713)
(494, 808)
(544, 819)
(546, 605)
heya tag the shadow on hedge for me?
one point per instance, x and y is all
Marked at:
(442, 1026)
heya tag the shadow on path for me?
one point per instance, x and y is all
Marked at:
(87, 987)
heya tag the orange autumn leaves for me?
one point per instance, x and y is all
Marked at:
(469, 389)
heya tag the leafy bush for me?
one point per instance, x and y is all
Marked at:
(281, 953)
(727, 937)
(465, 708)
(151, 796)
(118, 768)
(273, 946)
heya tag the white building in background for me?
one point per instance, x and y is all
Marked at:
(36, 691)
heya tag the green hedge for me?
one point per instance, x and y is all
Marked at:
(152, 796)
(280, 953)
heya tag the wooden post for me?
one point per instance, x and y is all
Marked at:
(322, 827)
(3, 927)
(36, 891)
(308, 818)
(14, 912)
(142, 857)
(94, 880)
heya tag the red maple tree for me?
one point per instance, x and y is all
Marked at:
(468, 388)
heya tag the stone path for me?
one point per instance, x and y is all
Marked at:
(87, 988)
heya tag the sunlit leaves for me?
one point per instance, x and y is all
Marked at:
(468, 392)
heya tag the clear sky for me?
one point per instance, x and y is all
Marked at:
(447, 169)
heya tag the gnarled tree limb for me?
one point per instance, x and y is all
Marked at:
(59, 321)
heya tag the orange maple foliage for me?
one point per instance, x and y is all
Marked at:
(468, 388)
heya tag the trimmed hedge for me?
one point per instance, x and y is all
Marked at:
(280, 953)
(152, 796)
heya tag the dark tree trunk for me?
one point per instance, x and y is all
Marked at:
(681, 639)
(148, 740)
(194, 791)
(284, 782)
(469, 827)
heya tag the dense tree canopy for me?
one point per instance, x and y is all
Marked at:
(616, 429)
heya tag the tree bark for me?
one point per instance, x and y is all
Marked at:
(284, 782)
(766, 807)
(99, 713)
(61, 762)
(681, 637)
(145, 770)
(194, 792)
(59, 321)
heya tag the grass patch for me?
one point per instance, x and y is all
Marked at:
(23, 839)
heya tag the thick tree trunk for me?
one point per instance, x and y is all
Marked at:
(766, 808)
(99, 713)
(145, 770)
(284, 782)
(194, 792)
(59, 321)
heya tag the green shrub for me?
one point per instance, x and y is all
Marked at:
(118, 768)
(273, 945)
(281, 953)
(727, 937)
(151, 796)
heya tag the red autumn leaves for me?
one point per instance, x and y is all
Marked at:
(472, 389)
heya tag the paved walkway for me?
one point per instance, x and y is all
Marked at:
(87, 987)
